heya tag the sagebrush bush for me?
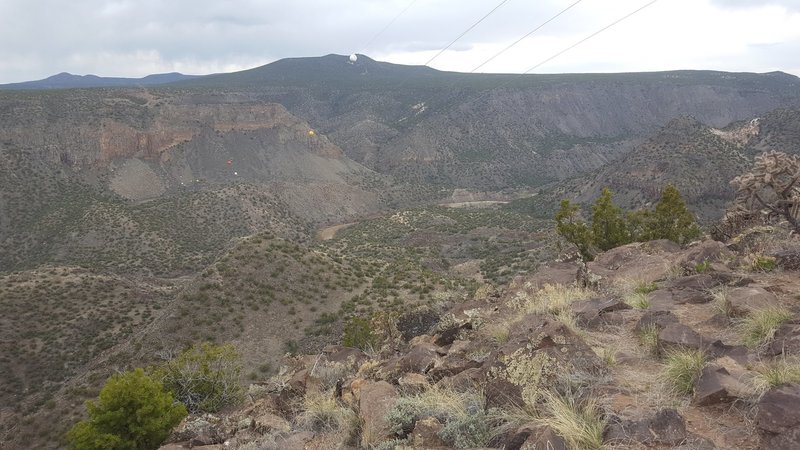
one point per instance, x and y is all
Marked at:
(358, 333)
(204, 377)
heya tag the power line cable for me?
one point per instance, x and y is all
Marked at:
(489, 90)
(391, 22)
(525, 36)
(588, 37)
(467, 31)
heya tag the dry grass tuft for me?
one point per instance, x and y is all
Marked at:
(682, 367)
(777, 373)
(758, 328)
(580, 423)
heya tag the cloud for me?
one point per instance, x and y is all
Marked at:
(137, 37)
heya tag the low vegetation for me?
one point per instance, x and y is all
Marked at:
(133, 411)
(682, 367)
(760, 326)
(611, 227)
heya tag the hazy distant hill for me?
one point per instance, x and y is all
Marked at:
(66, 80)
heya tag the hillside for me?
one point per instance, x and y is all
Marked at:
(494, 131)
(66, 80)
(269, 207)
(666, 350)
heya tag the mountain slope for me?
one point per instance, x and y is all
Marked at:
(66, 80)
(486, 131)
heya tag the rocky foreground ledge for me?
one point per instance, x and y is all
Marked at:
(648, 346)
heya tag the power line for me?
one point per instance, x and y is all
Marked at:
(489, 90)
(391, 22)
(467, 31)
(588, 37)
(524, 37)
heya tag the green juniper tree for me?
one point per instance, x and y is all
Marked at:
(609, 227)
(573, 230)
(672, 219)
(133, 412)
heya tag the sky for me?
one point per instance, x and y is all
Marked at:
(133, 38)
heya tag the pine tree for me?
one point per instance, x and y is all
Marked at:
(609, 227)
(672, 219)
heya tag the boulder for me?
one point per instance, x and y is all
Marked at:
(426, 434)
(779, 409)
(704, 252)
(594, 313)
(657, 318)
(786, 340)
(716, 385)
(267, 422)
(501, 393)
(557, 273)
(646, 261)
(345, 355)
(451, 365)
(375, 401)
(745, 300)
(544, 438)
(419, 359)
(788, 259)
(666, 427)
(676, 334)
(536, 333)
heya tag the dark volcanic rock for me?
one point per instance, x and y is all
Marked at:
(677, 334)
(716, 385)
(778, 418)
(788, 259)
(786, 340)
(779, 409)
(666, 427)
(745, 300)
(594, 313)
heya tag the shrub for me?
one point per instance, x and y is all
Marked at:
(204, 377)
(611, 226)
(444, 404)
(358, 333)
(763, 264)
(682, 367)
(323, 413)
(760, 326)
(133, 411)
(575, 231)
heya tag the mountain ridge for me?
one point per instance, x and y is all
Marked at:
(66, 80)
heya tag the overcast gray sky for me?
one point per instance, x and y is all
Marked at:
(134, 38)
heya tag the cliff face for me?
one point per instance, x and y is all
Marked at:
(487, 133)
(145, 143)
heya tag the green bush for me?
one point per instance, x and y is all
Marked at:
(132, 412)
(611, 226)
(204, 377)
(358, 333)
